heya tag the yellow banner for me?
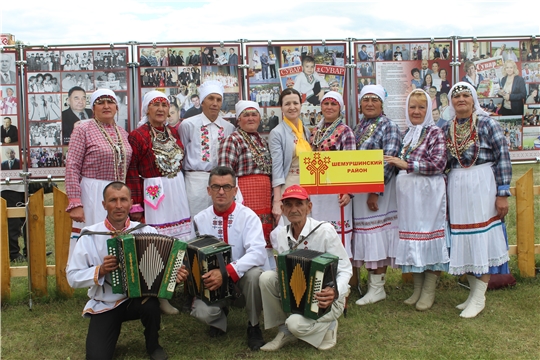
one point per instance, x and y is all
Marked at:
(338, 172)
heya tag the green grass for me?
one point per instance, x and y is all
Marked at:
(507, 329)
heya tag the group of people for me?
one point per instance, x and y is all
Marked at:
(209, 177)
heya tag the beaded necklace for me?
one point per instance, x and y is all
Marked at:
(462, 137)
(366, 134)
(118, 150)
(322, 134)
(167, 152)
(407, 150)
(259, 153)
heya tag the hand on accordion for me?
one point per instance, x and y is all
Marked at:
(213, 279)
(326, 297)
(182, 274)
(110, 263)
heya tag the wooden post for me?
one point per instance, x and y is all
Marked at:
(36, 238)
(5, 279)
(62, 235)
(525, 224)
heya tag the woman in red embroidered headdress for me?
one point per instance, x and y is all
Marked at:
(154, 174)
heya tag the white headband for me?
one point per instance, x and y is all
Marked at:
(374, 89)
(148, 97)
(101, 92)
(245, 104)
(336, 96)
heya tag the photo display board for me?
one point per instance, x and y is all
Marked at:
(506, 76)
(312, 69)
(401, 67)
(59, 84)
(11, 129)
(179, 71)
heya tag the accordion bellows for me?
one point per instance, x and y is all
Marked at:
(206, 253)
(302, 274)
(148, 264)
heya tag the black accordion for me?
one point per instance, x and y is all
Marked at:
(205, 253)
(302, 274)
(148, 264)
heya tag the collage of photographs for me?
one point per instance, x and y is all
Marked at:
(10, 155)
(58, 84)
(180, 71)
(506, 76)
(312, 70)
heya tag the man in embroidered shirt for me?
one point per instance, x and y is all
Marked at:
(243, 231)
(90, 267)
(305, 233)
(201, 135)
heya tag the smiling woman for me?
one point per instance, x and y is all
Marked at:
(331, 134)
(421, 200)
(287, 140)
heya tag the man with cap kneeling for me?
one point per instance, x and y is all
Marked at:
(201, 135)
(305, 233)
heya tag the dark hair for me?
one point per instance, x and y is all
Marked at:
(195, 96)
(288, 91)
(308, 59)
(75, 88)
(415, 70)
(116, 185)
(222, 171)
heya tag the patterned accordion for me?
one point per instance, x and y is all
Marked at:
(302, 274)
(148, 264)
(205, 253)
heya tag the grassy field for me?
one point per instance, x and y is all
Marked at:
(507, 329)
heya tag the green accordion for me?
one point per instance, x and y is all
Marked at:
(148, 264)
(205, 253)
(302, 274)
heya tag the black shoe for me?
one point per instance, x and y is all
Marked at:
(214, 332)
(159, 354)
(48, 253)
(19, 258)
(255, 338)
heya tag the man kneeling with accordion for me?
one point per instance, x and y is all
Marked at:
(312, 279)
(91, 265)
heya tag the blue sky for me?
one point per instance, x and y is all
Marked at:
(80, 22)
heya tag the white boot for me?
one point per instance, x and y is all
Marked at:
(375, 291)
(167, 308)
(478, 300)
(418, 279)
(472, 285)
(428, 292)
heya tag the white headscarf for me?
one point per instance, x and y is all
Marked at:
(373, 89)
(477, 108)
(336, 96)
(412, 136)
(101, 92)
(246, 104)
(148, 97)
(210, 87)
